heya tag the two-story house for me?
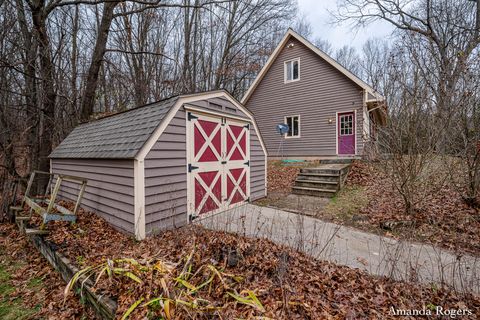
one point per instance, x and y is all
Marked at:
(330, 112)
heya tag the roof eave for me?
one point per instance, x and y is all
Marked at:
(320, 53)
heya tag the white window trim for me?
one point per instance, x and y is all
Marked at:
(299, 132)
(285, 71)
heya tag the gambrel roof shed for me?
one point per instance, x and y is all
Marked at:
(163, 164)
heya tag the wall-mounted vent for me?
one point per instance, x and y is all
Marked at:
(232, 110)
(215, 105)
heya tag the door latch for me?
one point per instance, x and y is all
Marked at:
(191, 168)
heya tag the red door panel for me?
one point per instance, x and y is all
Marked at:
(218, 159)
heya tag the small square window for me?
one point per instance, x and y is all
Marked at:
(292, 70)
(346, 125)
(293, 123)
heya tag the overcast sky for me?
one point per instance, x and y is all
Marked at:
(316, 12)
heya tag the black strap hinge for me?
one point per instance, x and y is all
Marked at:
(247, 163)
(191, 117)
(247, 126)
(190, 167)
(224, 162)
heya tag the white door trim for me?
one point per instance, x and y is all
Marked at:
(354, 111)
(223, 169)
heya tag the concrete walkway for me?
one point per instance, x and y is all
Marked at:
(375, 254)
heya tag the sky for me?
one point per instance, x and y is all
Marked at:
(316, 12)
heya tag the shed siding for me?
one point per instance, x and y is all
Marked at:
(321, 92)
(166, 179)
(109, 190)
(166, 171)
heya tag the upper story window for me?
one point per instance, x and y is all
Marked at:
(293, 123)
(292, 70)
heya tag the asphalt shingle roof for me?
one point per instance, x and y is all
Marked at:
(118, 136)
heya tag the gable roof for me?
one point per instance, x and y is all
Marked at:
(132, 133)
(292, 34)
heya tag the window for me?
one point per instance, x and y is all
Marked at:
(293, 127)
(346, 125)
(292, 70)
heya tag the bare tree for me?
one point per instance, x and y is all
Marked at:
(441, 40)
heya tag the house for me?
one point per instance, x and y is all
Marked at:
(330, 111)
(161, 165)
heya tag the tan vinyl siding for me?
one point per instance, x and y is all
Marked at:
(166, 179)
(257, 167)
(321, 92)
(166, 171)
(109, 191)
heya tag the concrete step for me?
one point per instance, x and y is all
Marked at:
(318, 177)
(321, 171)
(337, 161)
(325, 193)
(325, 185)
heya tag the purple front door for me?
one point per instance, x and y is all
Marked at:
(346, 133)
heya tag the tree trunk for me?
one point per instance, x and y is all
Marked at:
(49, 94)
(91, 85)
(30, 91)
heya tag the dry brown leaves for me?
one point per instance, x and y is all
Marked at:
(290, 285)
(281, 178)
(49, 293)
(442, 218)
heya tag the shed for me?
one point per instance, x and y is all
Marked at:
(161, 165)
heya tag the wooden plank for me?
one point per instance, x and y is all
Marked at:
(62, 210)
(31, 232)
(29, 185)
(72, 178)
(54, 194)
(35, 207)
(80, 197)
(104, 306)
(19, 218)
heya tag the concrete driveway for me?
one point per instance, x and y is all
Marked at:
(375, 254)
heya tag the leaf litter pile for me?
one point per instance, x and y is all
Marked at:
(194, 273)
(442, 217)
(37, 289)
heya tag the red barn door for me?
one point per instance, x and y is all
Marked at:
(237, 166)
(218, 163)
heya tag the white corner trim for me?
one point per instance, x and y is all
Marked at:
(139, 198)
(323, 55)
(355, 123)
(336, 133)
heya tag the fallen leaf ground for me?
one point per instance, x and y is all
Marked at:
(29, 287)
(288, 284)
(369, 202)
